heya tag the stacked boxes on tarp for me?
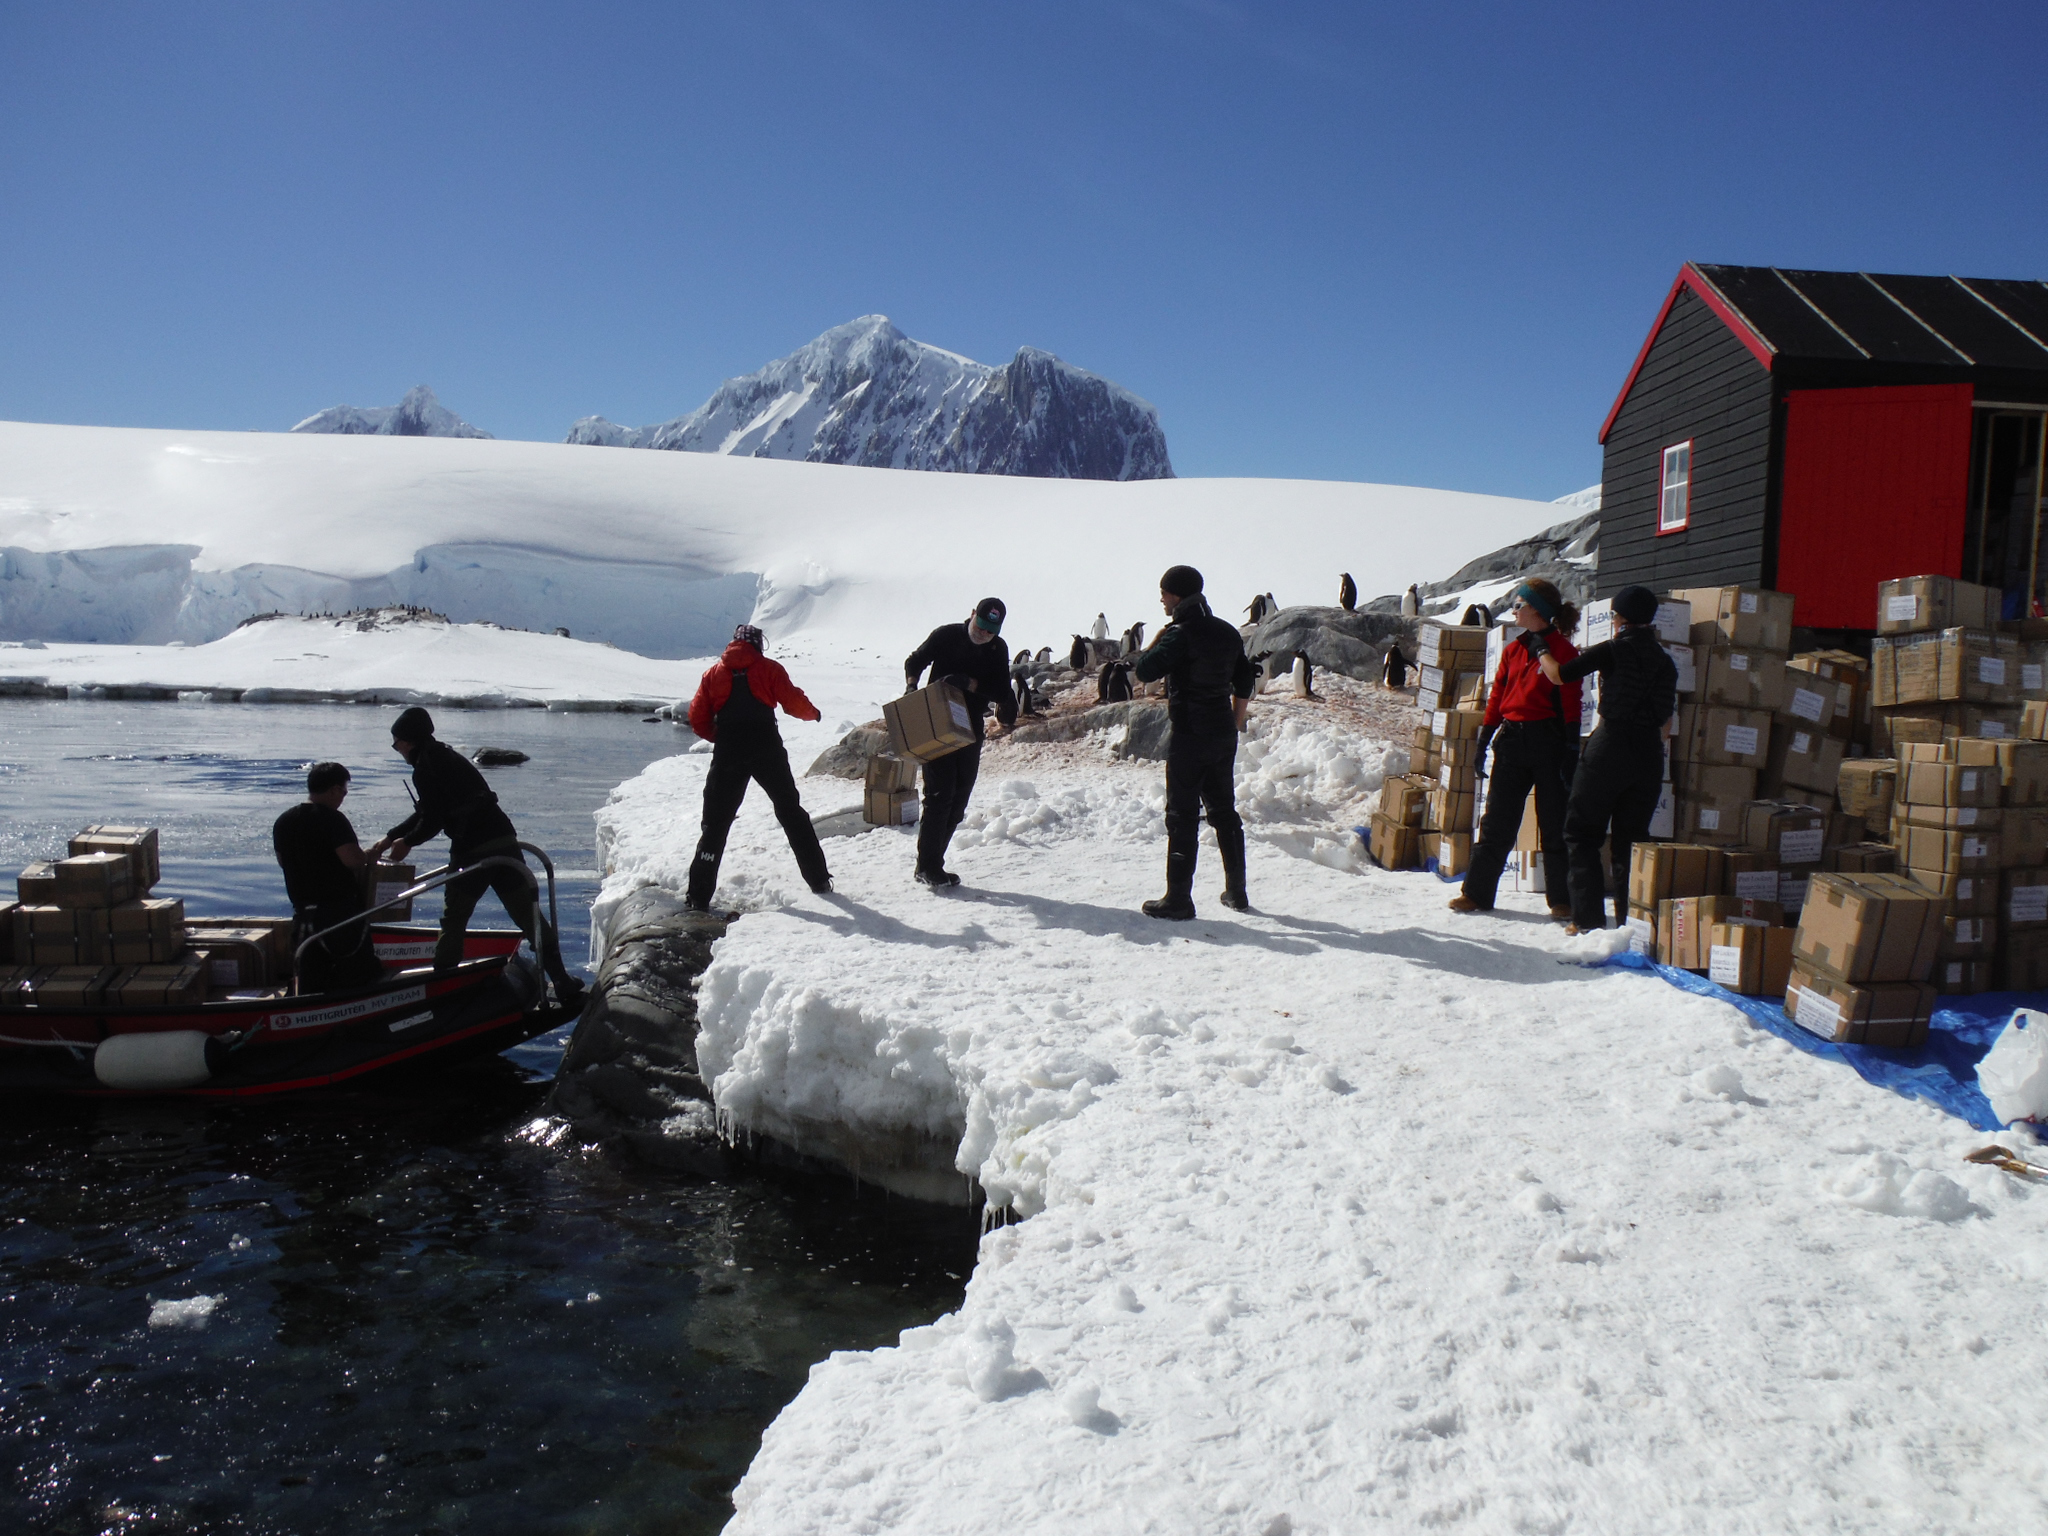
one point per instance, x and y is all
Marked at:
(86, 923)
(1861, 957)
(1943, 666)
(1722, 737)
(889, 796)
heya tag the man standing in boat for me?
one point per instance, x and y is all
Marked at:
(323, 864)
(452, 797)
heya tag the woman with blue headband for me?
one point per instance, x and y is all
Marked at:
(1532, 730)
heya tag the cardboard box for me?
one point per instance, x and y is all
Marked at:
(1456, 724)
(1862, 859)
(2021, 767)
(1740, 738)
(1843, 672)
(36, 886)
(1420, 739)
(2022, 962)
(2023, 899)
(1865, 786)
(1869, 927)
(72, 986)
(92, 880)
(1752, 958)
(1404, 800)
(2034, 720)
(1973, 895)
(1450, 810)
(1967, 938)
(1803, 757)
(929, 723)
(1719, 782)
(235, 958)
(1739, 679)
(1685, 925)
(1925, 783)
(1451, 851)
(1660, 872)
(1462, 645)
(1960, 978)
(1459, 778)
(1697, 819)
(1395, 845)
(1472, 691)
(148, 931)
(889, 774)
(1984, 817)
(1894, 1015)
(1795, 834)
(1750, 874)
(383, 882)
(1912, 603)
(46, 935)
(1641, 928)
(1808, 703)
(1961, 851)
(889, 807)
(137, 844)
(2023, 837)
(1741, 616)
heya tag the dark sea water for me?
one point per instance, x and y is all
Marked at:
(433, 1312)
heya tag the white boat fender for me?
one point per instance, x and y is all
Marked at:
(157, 1062)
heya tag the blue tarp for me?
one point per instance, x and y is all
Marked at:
(1943, 1071)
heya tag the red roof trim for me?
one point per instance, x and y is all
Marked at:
(1690, 276)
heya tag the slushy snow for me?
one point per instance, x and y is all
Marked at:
(1346, 1213)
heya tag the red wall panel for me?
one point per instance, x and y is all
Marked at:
(1876, 485)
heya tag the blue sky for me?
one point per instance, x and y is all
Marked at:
(1406, 243)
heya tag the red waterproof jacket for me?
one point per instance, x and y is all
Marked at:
(765, 680)
(1520, 691)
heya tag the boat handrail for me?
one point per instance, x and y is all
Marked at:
(433, 880)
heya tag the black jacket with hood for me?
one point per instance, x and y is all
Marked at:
(453, 798)
(1203, 661)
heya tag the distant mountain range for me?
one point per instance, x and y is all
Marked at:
(864, 393)
(419, 414)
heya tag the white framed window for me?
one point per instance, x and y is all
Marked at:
(1674, 507)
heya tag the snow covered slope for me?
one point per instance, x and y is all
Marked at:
(129, 536)
(1346, 1215)
(419, 414)
(864, 393)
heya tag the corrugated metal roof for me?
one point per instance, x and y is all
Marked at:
(1891, 318)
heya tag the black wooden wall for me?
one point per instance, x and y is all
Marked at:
(1698, 382)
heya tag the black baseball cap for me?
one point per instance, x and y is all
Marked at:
(989, 614)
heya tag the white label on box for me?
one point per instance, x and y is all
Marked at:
(2029, 904)
(1445, 775)
(1791, 891)
(1966, 888)
(1845, 694)
(1900, 610)
(388, 890)
(1740, 741)
(1990, 669)
(1992, 730)
(1955, 973)
(960, 715)
(1639, 935)
(1737, 662)
(1819, 1015)
(1802, 743)
(1757, 885)
(1747, 602)
(1710, 818)
(1664, 820)
(1681, 658)
(2030, 676)
(1724, 965)
(1967, 816)
(1802, 847)
(1440, 722)
(1967, 929)
(909, 813)
(1974, 847)
(1969, 781)
(1807, 704)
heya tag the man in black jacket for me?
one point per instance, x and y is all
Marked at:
(323, 864)
(1621, 771)
(974, 660)
(452, 797)
(1208, 690)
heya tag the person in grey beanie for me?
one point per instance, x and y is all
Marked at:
(1621, 770)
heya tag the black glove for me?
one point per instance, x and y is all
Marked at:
(1485, 741)
(962, 681)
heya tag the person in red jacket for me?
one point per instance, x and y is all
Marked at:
(1532, 726)
(734, 710)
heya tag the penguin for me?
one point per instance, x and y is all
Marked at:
(1347, 593)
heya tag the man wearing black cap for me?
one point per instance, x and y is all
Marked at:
(452, 797)
(974, 660)
(1208, 690)
(1621, 771)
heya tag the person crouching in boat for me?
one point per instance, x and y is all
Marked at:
(453, 798)
(734, 710)
(1532, 725)
(323, 864)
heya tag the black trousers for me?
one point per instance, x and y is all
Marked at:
(1619, 780)
(1201, 779)
(948, 786)
(519, 894)
(1527, 755)
(344, 959)
(737, 759)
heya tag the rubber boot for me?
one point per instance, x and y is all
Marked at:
(1178, 904)
(703, 879)
(1230, 848)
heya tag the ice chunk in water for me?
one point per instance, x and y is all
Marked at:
(194, 1312)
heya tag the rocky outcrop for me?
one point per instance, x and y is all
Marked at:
(1333, 639)
(864, 393)
(1142, 721)
(848, 757)
(1566, 553)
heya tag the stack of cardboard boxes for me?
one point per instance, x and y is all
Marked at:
(1426, 816)
(86, 932)
(1942, 667)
